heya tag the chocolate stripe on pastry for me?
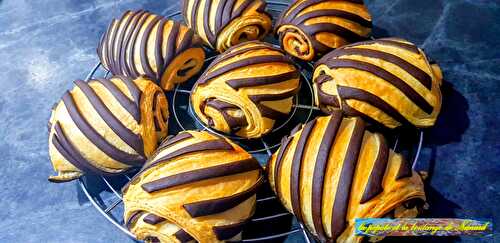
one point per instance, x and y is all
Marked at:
(234, 123)
(374, 184)
(338, 30)
(130, 56)
(176, 139)
(385, 75)
(133, 218)
(124, 101)
(242, 63)
(201, 174)
(183, 236)
(128, 136)
(160, 61)
(333, 13)
(389, 42)
(404, 170)
(219, 205)
(226, 232)
(94, 137)
(341, 202)
(414, 71)
(218, 144)
(146, 66)
(230, 53)
(319, 173)
(264, 80)
(172, 40)
(298, 156)
(69, 152)
(359, 94)
(285, 142)
(153, 219)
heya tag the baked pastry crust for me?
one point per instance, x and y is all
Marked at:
(386, 81)
(144, 44)
(310, 28)
(225, 23)
(246, 89)
(197, 187)
(331, 171)
(106, 126)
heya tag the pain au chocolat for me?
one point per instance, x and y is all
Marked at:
(246, 89)
(198, 187)
(142, 43)
(310, 28)
(387, 81)
(331, 171)
(225, 23)
(106, 126)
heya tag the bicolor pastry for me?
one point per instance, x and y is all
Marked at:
(142, 43)
(331, 171)
(225, 23)
(310, 28)
(198, 187)
(386, 81)
(246, 89)
(106, 127)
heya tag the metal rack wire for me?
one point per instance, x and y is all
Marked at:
(107, 199)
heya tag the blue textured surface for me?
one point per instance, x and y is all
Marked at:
(45, 44)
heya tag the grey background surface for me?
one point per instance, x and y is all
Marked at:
(46, 44)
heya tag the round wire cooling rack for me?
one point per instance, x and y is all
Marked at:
(271, 222)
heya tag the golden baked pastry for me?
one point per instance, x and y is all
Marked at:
(197, 187)
(310, 28)
(331, 171)
(225, 23)
(246, 89)
(106, 126)
(142, 43)
(388, 81)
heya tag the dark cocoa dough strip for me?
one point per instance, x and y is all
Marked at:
(374, 184)
(146, 66)
(124, 101)
(296, 169)
(226, 14)
(69, 152)
(206, 22)
(106, 42)
(176, 139)
(135, 92)
(226, 232)
(216, 144)
(94, 137)
(349, 111)
(218, 15)
(171, 44)
(271, 113)
(234, 123)
(335, 13)
(242, 63)
(111, 43)
(414, 71)
(338, 30)
(183, 236)
(361, 95)
(219, 205)
(186, 42)
(159, 49)
(194, 14)
(157, 120)
(127, 135)
(413, 95)
(320, 166)
(124, 62)
(272, 97)
(124, 68)
(231, 54)
(153, 219)
(243, 6)
(117, 68)
(290, 15)
(296, 129)
(388, 42)
(135, 215)
(405, 170)
(342, 196)
(135, 36)
(262, 80)
(285, 142)
(202, 174)
(327, 99)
